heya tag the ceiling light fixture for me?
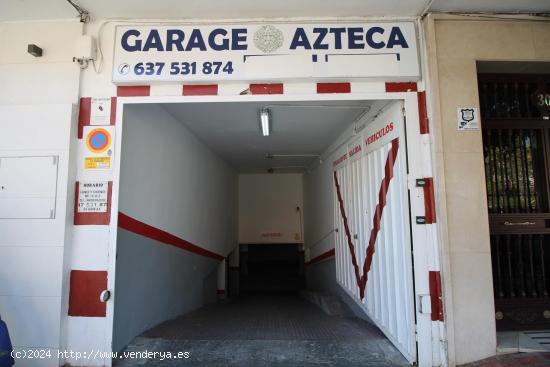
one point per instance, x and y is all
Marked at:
(264, 121)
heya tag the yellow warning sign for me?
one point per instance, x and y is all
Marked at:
(97, 162)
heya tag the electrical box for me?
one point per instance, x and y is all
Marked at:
(28, 187)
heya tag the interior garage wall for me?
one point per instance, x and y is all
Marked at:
(267, 205)
(319, 214)
(454, 45)
(171, 181)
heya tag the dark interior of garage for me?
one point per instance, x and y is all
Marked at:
(267, 268)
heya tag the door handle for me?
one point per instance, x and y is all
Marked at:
(507, 223)
(105, 295)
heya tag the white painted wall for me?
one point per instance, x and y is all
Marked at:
(34, 252)
(319, 210)
(171, 181)
(39, 251)
(52, 78)
(267, 204)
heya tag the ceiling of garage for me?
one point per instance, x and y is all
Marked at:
(232, 130)
(240, 9)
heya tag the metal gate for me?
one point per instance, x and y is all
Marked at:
(516, 143)
(373, 245)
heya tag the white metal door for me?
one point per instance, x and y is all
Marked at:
(373, 245)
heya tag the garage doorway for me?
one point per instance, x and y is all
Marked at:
(155, 282)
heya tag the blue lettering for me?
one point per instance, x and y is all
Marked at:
(212, 40)
(238, 41)
(124, 40)
(397, 38)
(370, 38)
(337, 37)
(153, 41)
(300, 40)
(174, 37)
(318, 44)
(195, 41)
(354, 37)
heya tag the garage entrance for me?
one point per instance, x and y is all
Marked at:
(213, 189)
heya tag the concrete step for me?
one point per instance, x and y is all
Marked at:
(523, 341)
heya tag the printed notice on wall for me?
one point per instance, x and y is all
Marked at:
(93, 197)
(100, 113)
(467, 118)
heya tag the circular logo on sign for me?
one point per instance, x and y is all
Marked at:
(123, 69)
(268, 38)
(98, 140)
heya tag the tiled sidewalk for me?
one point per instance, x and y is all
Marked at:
(513, 360)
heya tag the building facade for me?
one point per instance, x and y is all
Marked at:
(61, 262)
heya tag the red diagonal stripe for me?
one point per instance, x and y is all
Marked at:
(133, 225)
(348, 235)
(323, 256)
(382, 199)
(382, 195)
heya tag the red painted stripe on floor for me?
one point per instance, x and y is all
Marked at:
(135, 226)
(351, 247)
(382, 196)
(85, 289)
(276, 88)
(133, 91)
(325, 255)
(333, 88)
(436, 296)
(401, 87)
(84, 113)
(429, 201)
(423, 113)
(200, 90)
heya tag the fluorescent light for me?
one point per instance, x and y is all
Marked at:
(264, 119)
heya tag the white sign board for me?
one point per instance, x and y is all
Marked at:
(255, 52)
(92, 197)
(467, 118)
(100, 113)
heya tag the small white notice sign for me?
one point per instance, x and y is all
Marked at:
(467, 118)
(100, 113)
(92, 197)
